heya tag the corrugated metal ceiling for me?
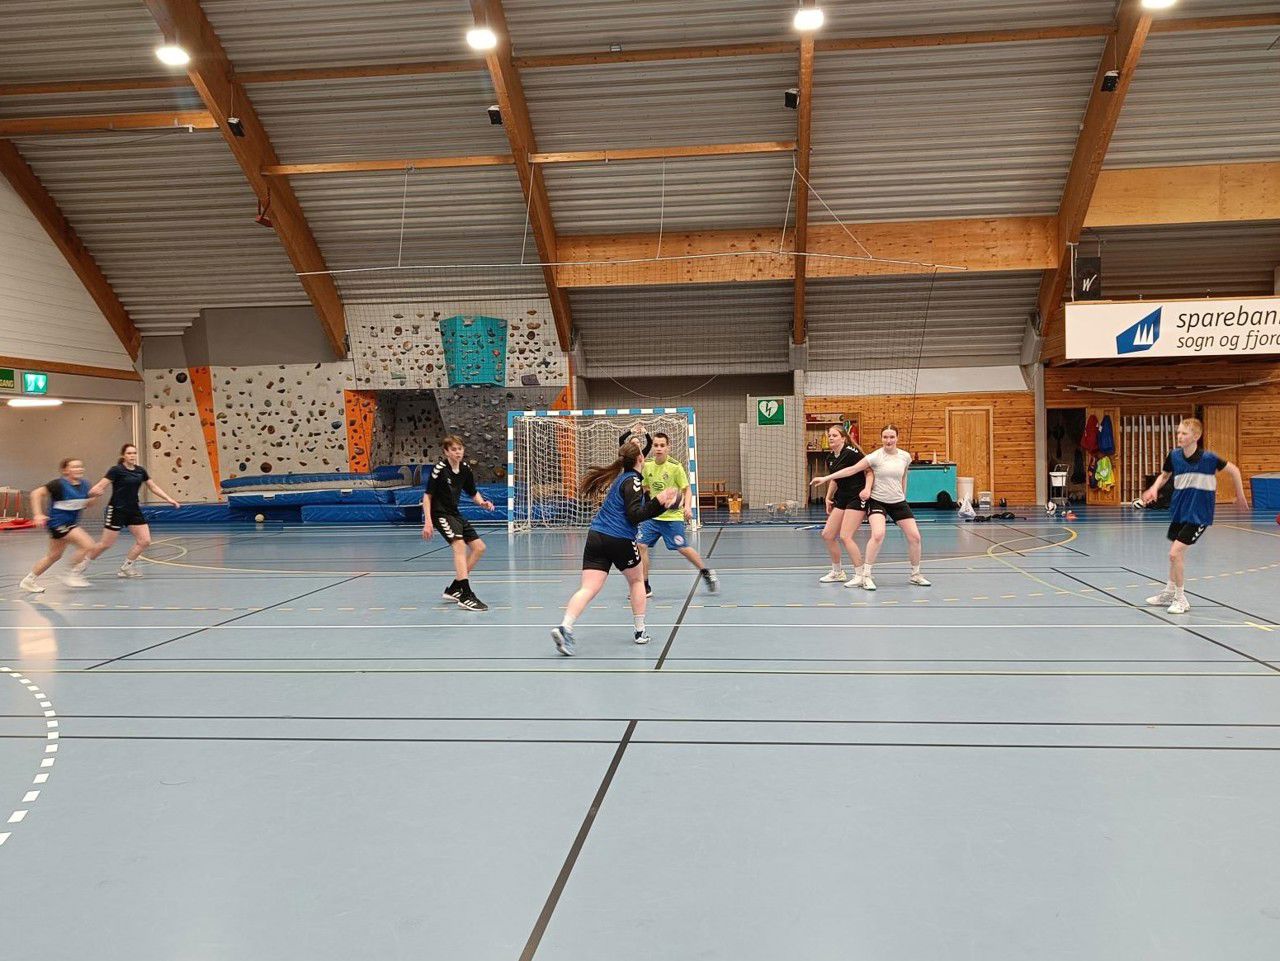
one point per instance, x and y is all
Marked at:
(709, 193)
(260, 35)
(964, 318)
(643, 104)
(1211, 97)
(1187, 261)
(169, 218)
(399, 117)
(684, 329)
(43, 40)
(948, 132)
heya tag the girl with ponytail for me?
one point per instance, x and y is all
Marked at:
(611, 541)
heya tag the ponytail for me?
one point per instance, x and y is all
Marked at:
(598, 479)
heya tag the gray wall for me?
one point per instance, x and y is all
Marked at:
(720, 407)
(243, 337)
(35, 439)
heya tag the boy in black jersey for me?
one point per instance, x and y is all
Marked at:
(126, 480)
(449, 477)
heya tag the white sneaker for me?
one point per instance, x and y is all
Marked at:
(29, 584)
(833, 577)
(919, 580)
(72, 579)
(868, 584)
(854, 581)
(1179, 606)
(128, 572)
(1163, 599)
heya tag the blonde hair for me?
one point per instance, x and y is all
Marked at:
(451, 440)
(1194, 424)
(843, 432)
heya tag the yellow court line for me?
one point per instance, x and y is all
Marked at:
(1250, 530)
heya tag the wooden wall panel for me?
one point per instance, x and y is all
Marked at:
(923, 424)
(1222, 436)
(1253, 387)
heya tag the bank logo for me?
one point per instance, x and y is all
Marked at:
(1141, 336)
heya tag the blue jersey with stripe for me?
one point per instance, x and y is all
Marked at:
(66, 501)
(1195, 485)
(612, 518)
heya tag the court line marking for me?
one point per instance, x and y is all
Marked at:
(536, 625)
(647, 668)
(51, 738)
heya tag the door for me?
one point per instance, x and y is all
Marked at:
(969, 445)
(1221, 435)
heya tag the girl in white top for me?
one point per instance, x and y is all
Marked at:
(888, 502)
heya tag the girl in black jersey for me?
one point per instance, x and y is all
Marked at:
(126, 480)
(846, 507)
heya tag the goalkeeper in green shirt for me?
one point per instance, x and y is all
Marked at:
(660, 473)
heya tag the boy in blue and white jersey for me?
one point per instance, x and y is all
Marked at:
(57, 507)
(1195, 492)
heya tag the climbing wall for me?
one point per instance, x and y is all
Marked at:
(416, 427)
(399, 347)
(479, 416)
(176, 454)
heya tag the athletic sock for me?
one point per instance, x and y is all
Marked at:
(1171, 587)
(866, 570)
(638, 620)
(567, 621)
(80, 568)
(915, 568)
(126, 565)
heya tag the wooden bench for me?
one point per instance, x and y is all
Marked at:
(713, 494)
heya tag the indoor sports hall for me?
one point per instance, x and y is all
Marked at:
(578, 479)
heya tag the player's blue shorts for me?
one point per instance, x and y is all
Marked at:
(671, 532)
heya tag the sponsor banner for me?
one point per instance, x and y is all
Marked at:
(1240, 327)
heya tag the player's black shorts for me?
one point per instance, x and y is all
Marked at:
(1185, 533)
(455, 528)
(118, 518)
(849, 502)
(61, 531)
(603, 552)
(895, 512)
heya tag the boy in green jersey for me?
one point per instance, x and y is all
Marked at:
(662, 472)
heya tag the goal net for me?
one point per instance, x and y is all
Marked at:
(548, 452)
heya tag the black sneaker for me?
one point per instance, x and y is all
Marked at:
(648, 591)
(472, 603)
(709, 578)
(452, 593)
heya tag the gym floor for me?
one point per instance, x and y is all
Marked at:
(280, 744)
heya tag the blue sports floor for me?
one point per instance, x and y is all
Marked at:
(280, 745)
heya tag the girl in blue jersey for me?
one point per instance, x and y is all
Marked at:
(611, 541)
(1195, 490)
(57, 506)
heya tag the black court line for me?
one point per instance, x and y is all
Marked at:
(1217, 603)
(699, 660)
(531, 947)
(238, 617)
(382, 718)
(1183, 627)
(566, 869)
(995, 543)
(434, 550)
(1065, 545)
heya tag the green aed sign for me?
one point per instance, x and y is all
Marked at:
(770, 412)
(34, 382)
(7, 381)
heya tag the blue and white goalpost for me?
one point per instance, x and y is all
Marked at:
(548, 451)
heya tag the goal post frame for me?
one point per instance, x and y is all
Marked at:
(691, 468)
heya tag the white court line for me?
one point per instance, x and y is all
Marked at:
(19, 815)
(734, 625)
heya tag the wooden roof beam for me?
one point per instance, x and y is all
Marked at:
(211, 72)
(519, 129)
(45, 209)
(1121, 53)
(181, 119)
(641, 55)
(804, 118)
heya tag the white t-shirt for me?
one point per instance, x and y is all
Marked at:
(890, 470)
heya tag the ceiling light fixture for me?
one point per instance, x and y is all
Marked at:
(173, 55)
(808, 19)
(1158, 4)
(34, 402)
(481, 38)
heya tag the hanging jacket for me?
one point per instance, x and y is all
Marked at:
(1089, 440)
(1104, 475)
(1106, 436)
(1077, 467)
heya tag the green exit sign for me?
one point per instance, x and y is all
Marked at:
(7, 381)
(34, 382)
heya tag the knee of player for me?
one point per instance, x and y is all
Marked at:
(144, 541)
(477, 546)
